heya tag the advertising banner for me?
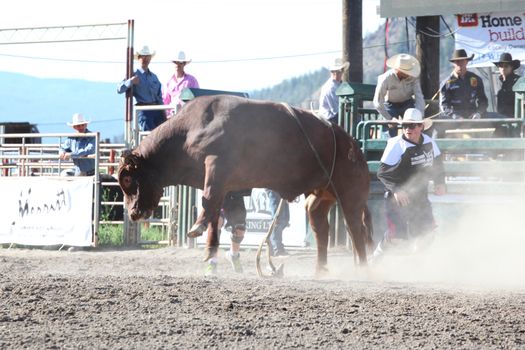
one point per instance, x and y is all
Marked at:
(46, 211)
(488, 35)
(259, 219)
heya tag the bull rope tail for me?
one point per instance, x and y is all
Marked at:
(276, 272)
(327, 174)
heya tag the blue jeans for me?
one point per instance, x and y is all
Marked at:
(276, 239)
(396, 110)
(149, 120)
(416, 219)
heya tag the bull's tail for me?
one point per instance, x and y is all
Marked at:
(368, 229)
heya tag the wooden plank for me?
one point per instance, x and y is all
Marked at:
(481, 144)
(487, 144)
(473, 168)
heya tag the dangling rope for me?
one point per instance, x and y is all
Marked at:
(406, 31)
(386, 45)
(276, 271)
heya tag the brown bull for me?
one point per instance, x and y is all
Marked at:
(224, 143)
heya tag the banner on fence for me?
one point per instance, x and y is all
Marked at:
(259, 218)
(46, 211)
(488, 35)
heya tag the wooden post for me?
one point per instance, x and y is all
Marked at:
(129, 94)
(427, 52)
(353, 39)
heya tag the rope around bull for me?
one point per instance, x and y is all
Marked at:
(279, 270)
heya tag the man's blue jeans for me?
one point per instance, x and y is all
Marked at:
(149, 120)
(396, 110)
(276, 239)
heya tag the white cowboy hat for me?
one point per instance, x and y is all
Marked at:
(405, 63)
(414, 116)
(181, 57)
(78, 119)
(338, 65)
(145, 51)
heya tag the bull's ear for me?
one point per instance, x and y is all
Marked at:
(128, 166)
(129, 161)
(127, 183)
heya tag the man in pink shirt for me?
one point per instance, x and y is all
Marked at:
(179, 81)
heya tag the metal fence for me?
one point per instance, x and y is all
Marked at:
(26, 159)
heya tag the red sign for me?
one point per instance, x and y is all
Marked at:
(467, 20)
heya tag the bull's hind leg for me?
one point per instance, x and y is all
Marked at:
(212, 198)
(353, 207)
(317, 206)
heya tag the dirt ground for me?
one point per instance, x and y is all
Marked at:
(160, 299)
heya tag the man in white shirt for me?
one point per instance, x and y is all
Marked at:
(328, 100)
(399, 89)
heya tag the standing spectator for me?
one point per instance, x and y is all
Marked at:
(328, 100)
(282, 221)
(179, 81)
(146, 89)
(506, 66)
(79, 149)
(408, 163)
(399, 89)
(462, 93)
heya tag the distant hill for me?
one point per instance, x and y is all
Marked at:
(297, 91)
(302, 90)
(50, 103)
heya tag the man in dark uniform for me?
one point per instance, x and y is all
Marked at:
(408, 163)
(506, 66)
(462, 93)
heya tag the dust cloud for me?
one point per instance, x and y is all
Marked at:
(483, 248)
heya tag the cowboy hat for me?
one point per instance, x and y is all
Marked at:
(460, 54)
(338, 65)
(507, 58)
(405, 64)
(414, 116)
(145, 51)
(77, 119)
(181, 57)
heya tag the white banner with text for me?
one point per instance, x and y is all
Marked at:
(46, 211)
(259, 218)
(488, 35)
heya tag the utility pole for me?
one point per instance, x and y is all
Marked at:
(353, 39)
(427, 52)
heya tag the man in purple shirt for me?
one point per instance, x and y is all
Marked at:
(179, 81)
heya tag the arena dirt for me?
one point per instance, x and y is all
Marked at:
(159, 299)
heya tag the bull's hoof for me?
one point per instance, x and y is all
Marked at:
(196, 231)
(210, 252)
(321, 271)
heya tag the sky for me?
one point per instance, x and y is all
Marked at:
(235, 45)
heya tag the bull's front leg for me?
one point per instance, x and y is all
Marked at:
(213, 238)
(212, 198)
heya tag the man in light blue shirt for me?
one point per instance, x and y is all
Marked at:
(328, 100)
(79, 149)
(147, 91)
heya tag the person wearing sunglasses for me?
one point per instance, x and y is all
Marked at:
(179, 80)
(407, 165)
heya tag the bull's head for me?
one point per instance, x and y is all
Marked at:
(141, 188)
